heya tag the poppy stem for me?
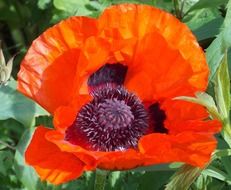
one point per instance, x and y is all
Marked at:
(177, 9)
(227, 132)
(100, 179)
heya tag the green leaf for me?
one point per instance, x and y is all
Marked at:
(227, 27)
(150, 2)
(42, 4)
(222, 88)
(201, 17)
(214, 55)
(154, 180)
(17, 106)
(207, 4)
(159, 167)
(218, 48)
(216, 184)
(216, 173)
(222, 153)
(222, 95)
(201, 183)
(84, 182)
(73, 7)
(45, 121)
(208, 30)
(6, 161)
(226, 162)
(205, 182)
(25, 173)
(114, 177)
(127, 180)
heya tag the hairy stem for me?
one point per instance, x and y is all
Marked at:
(100, 179)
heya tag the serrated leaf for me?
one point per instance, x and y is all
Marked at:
(222, 88)
(15, 105)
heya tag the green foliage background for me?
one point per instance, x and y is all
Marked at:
(21, 21)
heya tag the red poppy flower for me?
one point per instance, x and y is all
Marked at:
(110, 84)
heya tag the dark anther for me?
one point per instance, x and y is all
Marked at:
(109, 73)
(157, 117)
(114, 120)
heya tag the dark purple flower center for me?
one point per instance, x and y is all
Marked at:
(157, 117)
(115, 119)
(108, 74)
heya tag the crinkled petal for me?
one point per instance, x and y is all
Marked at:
(64, 116)
(158, 71)
(122, 160)
(47, 72)
(116, 160)
(185, 110)
(140, 20)
(186, 116)
(58, 138)
(98, 51)
(196, 126)
(49, 161)
(188, 147)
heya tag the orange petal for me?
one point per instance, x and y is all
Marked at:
(121, 160)
(187, 147)
(84, 155)
(196, 126)
(148, 19)
(118, 160)
(158, 70)
(64, 116)
(50, 163)
(185, 116)
(98, 51)
(182, 110)
(48, 70)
